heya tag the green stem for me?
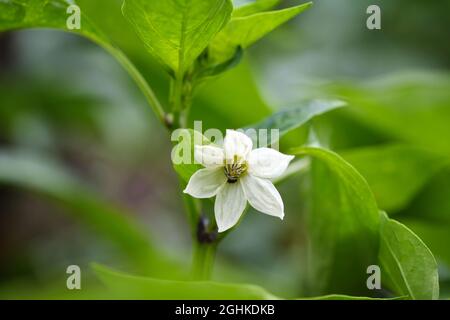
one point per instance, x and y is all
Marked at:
(193, 208)
(203, 260)
(176, 101)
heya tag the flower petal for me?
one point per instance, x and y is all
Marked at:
(236, 144)
(268, 163)
(209, 156)
(205, 183)
(229, 205)
(263, 196)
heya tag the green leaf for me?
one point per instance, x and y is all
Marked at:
(49, 178)
(408, 266)
(133, 287)
(444, 290)
(244, 31)
(412, 107)
(254, 7)
(343, 224)
(293, 118)
(230, 101)
(22, 14)
(18, 14)
(432, 205)
(396, 173)
(217, 69)
(428, 215)
(177, 31)
(435, 235)
(125, 286)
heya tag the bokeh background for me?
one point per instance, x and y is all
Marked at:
(78, 143)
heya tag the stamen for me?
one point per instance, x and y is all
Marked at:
(235, 170)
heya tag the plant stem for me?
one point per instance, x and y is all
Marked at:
(176, 101)
(192, 209)
(204, 244)
(203, 260)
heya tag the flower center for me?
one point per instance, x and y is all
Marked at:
(235, 169)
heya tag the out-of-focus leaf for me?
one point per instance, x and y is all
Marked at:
(18, 14)
(177, 31)
(133, 287)
(231, 101)
(343, 224)
(294, 117)
(444, 290)
(48, 177)
(428, 215)
(22, 14)
(124, 286)
(395, 172)
(342, 131)
(433, 203)
(220, 68)
(254, 7)
(244, 31)
(412, 107)
(37, 98)
(435, 235)
(408, 266)
(295, 167)
(51, 289)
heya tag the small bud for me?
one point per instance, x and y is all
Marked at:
(203, 234)
(168, 120)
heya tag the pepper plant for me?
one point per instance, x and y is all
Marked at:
(195, 42)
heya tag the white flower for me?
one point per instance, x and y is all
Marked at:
(237, 174)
